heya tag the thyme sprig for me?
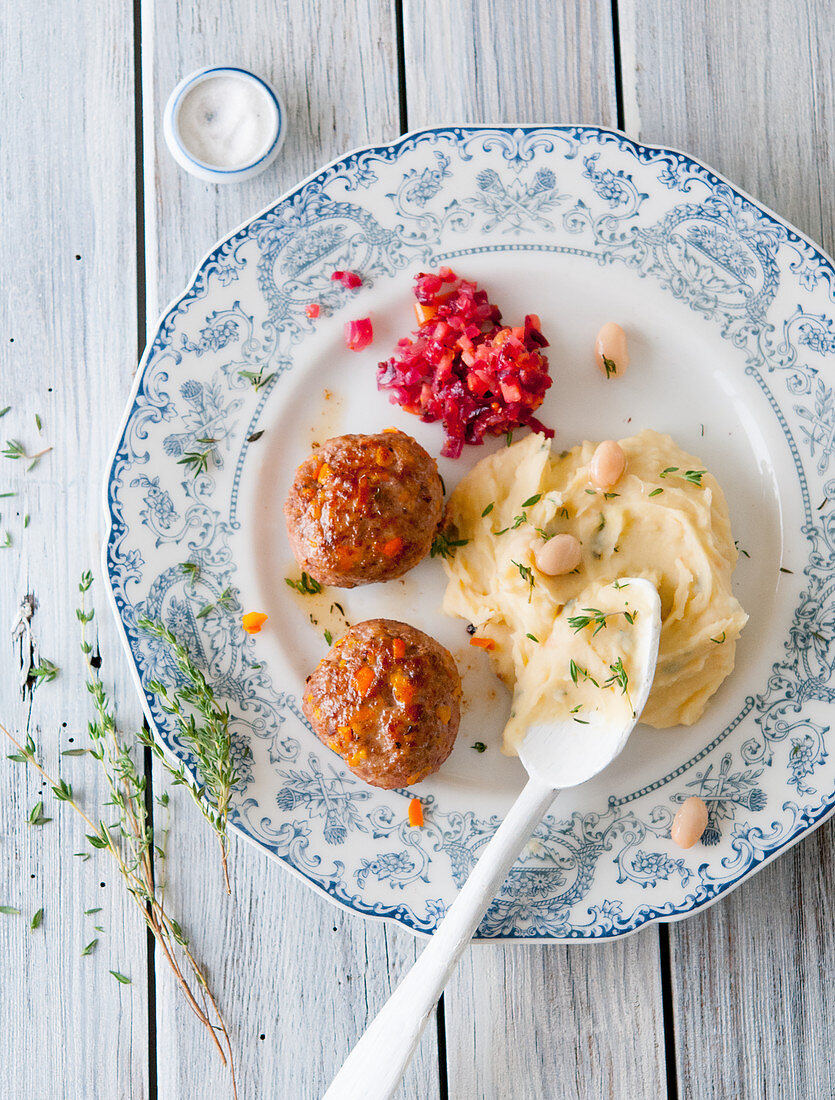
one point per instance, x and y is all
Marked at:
(575, 671)
(593, 615)
(130, 842)
(14, 449)
(257, 379)
(620, 678)
(444, 547)
(693, 476)
(43, 672)
(191, 569)
(197, 462)
(526, 573)
(307, 586)
(209, 738)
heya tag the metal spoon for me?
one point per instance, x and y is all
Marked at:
(556, 756)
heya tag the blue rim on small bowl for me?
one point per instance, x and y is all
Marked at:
(201, 169)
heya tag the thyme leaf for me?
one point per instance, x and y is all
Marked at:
(257, 379)
(36, 815)
(526, 573)
(196, 462)
(43, 672)
(191, 570)
(575, 671)
(444, 547)
(308, 586)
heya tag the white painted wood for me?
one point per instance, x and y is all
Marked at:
(491, 61)
(749, 89)
(523, 1023)
(67, 352)
(286, 964)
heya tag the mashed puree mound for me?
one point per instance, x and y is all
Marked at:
(666, 520)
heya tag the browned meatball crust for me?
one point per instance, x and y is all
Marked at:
(387, 699)
(364, 508)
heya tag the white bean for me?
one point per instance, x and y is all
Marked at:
(689, 823)
(607, 464)
(558, 555)
(610, 351)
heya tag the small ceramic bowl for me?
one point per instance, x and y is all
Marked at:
(261, 157)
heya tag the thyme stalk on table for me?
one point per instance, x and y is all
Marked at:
(209, 739)
(131, 842)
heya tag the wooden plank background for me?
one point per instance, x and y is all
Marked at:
(68, 346)
(749, 89)
(309, 1005)
(734, 1002)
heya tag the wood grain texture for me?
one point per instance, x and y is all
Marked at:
(490, 61)
(749, 89)
(524, 1023)
(67, 331)
(288, 965)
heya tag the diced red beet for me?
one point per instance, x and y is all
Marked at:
(359, 334)
(312, 310)
(349, 279)
(463, 367)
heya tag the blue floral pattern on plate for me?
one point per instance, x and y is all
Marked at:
(652, 213)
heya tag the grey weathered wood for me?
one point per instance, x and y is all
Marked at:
(749, 89)
(525, 1022)
(493, 61)
(286, 964)
(67, 352)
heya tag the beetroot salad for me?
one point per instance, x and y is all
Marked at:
(464, 368)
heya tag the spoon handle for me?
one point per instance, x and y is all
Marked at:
(375, 1066)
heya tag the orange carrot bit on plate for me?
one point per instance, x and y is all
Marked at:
(483, 643)
(416, 813)
(253, 621)
(312, 310)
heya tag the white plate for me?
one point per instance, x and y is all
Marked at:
(729, 316)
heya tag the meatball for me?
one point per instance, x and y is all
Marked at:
(364, 508)
(387, 699)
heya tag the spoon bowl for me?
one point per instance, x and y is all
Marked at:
(562, 754)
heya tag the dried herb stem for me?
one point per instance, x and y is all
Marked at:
(131, 842)
(209, 738)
